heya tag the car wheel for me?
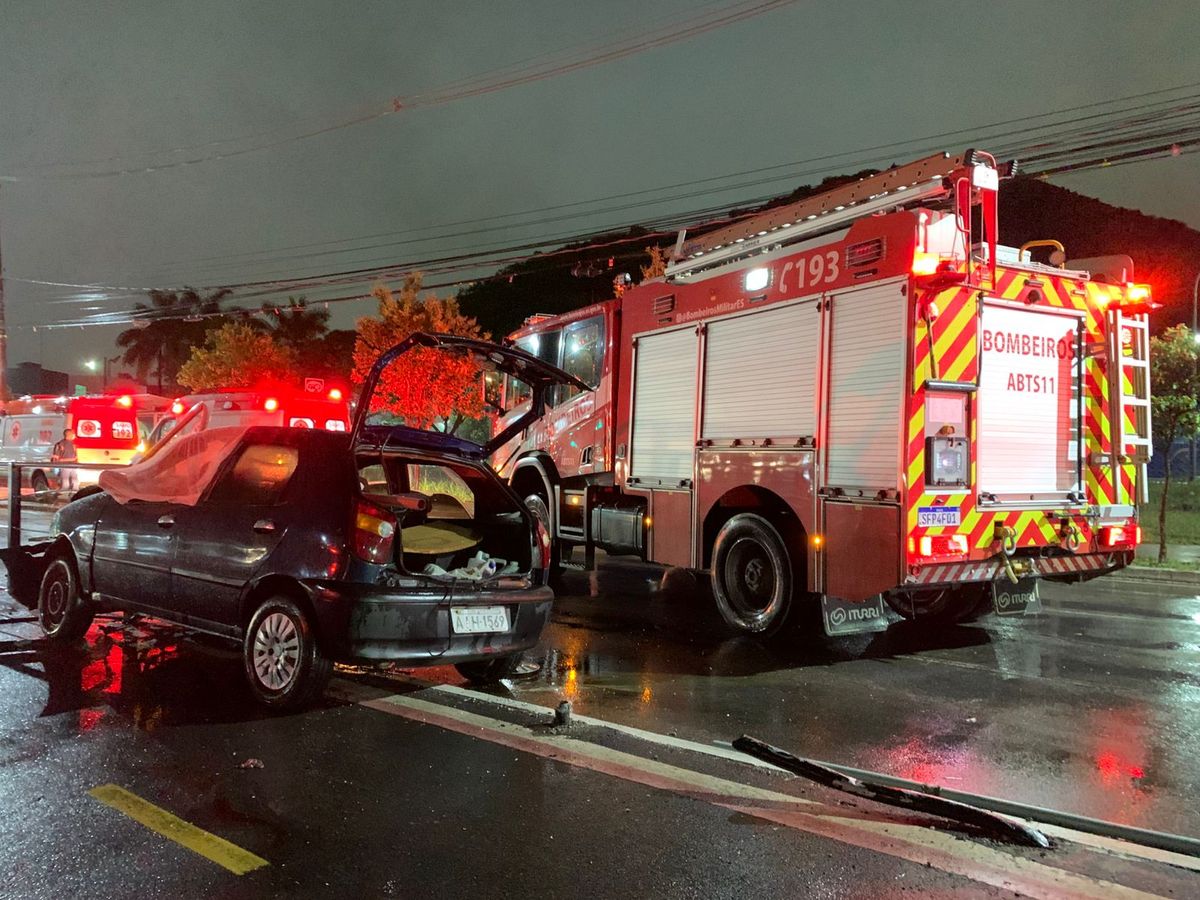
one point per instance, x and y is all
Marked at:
(283, 663)
(40, 485)
(63, 614)
(536, 504)
(489, 671)
(751, 575)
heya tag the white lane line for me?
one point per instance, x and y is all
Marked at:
(1097, 842)
(914, 843)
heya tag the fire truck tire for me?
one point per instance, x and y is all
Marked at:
(952, 606)
(536, 504)
(284, 666)
(751, 575)
(63, 613)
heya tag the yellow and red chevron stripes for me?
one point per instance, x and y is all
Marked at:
(955, 354)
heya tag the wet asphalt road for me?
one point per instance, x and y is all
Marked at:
(1091, 707)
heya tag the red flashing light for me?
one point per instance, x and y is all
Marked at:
(925, 263)
(931, 545)
(335, 394)
(177, 408)
(125, 401)
(1137, 300)
(1113, 536)
(270, 404)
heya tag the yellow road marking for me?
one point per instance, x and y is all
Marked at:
(208, 845)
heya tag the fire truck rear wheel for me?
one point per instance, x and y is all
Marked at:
(751, 575)
(950, 606)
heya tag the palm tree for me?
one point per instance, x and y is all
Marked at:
(166, 329)
(295, 325)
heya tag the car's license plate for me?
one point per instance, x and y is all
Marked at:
(478, 619)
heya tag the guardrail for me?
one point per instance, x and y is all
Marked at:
(48, 500)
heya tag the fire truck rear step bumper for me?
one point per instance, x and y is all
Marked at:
(1086, 565)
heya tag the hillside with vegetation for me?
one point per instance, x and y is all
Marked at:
(1166, 254)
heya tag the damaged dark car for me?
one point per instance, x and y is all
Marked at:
(387, 544)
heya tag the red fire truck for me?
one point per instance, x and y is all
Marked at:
(861, 401)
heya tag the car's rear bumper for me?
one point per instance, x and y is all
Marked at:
(364, 623)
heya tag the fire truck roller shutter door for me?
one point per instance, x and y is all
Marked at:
(664, 407)
(866, 388)
(760, 374)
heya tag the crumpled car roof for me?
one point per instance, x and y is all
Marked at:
(180, 473)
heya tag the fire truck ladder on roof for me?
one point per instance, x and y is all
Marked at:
(1129, 410)
(904, 185)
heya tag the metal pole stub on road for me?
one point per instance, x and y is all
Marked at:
(995, 824)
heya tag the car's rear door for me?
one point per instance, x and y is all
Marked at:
(223, 540)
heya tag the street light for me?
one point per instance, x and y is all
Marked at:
(92, 366)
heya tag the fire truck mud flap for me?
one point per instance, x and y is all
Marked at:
(854, 617)
(1019, 599)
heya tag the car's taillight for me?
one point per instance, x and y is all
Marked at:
(541, 556)
(1120, 536)
(374, 532)
(938, 545)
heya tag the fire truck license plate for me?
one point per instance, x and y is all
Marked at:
(1016, 599)
(478, 619)
(934, 516)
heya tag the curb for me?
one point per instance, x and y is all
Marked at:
(1135, 574)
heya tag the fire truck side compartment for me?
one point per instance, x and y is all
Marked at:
(862, 550)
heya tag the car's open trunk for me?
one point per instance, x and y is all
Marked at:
(466, 527)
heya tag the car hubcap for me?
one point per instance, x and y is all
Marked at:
(751, 581)
(56, 605)
(276, 651)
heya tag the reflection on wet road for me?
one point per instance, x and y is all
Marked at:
(1092, 707)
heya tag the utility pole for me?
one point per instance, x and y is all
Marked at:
(3, 339)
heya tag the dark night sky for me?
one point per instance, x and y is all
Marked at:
(87, 82)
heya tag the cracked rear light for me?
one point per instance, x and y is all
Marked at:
(374, 532)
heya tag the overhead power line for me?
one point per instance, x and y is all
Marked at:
(499, 80)
(1107, 123)
(1130, 135)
